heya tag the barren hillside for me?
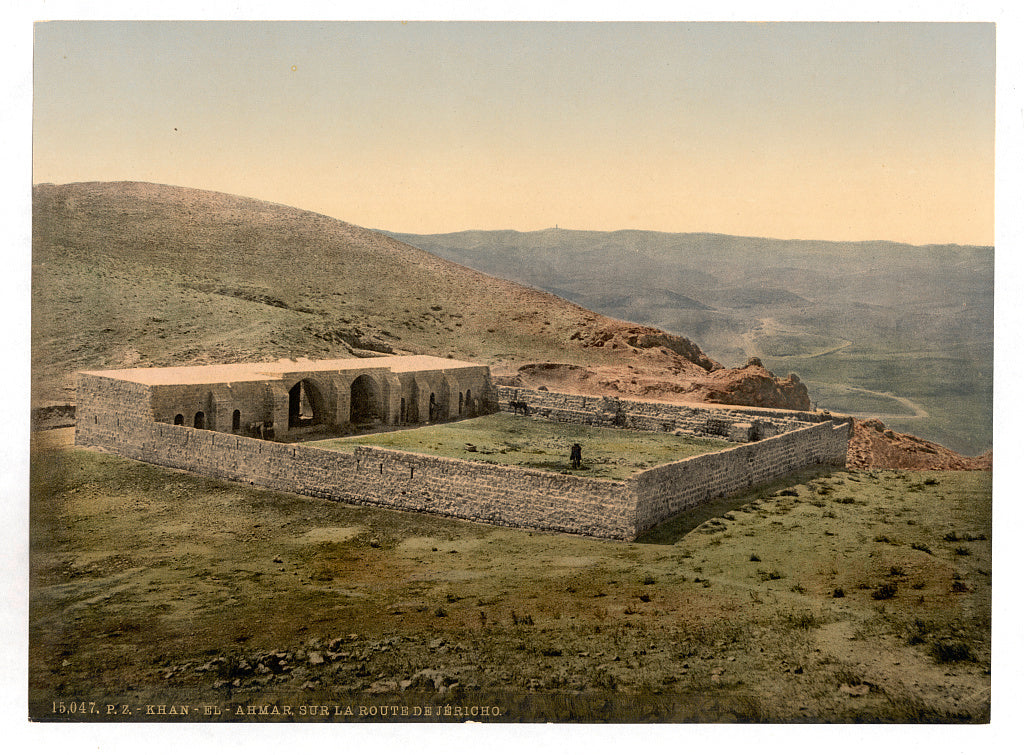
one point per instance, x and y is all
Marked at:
(136, 274)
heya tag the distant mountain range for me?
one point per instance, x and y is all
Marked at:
(874, 328)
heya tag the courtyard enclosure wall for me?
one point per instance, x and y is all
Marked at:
(668, 489)
(118, 416)
(489, 493)
(740, 423)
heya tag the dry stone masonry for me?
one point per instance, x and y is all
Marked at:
(214, 421)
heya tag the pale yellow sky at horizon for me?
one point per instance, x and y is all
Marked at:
(815, 131)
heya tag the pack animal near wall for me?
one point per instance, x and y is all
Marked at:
(219, 420)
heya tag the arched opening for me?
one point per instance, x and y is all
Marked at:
(460, 402)
(200, 421)
(433, 408)
(305, 405)
(179, 419)
(236, 421)
(412, 412)
(402, 418)
(469, 403)
(365, 404)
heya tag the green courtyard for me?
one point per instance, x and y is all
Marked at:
(610, 454)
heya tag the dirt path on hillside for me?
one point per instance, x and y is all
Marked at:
(919, 412)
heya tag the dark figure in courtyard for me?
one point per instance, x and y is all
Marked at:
(576, 455)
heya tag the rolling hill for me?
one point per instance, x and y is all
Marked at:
(135, 274)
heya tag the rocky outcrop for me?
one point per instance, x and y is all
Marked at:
(754, 385)
(874, 446)
(628, 336)
(751, 385)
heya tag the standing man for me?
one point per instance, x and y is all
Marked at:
(576, 455)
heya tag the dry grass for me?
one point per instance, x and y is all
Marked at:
(530, 442)
(150, 585)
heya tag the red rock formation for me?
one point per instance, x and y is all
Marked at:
(873, 446)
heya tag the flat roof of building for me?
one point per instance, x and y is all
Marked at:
(259, 371)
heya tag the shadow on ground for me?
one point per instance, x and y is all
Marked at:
(675, 529)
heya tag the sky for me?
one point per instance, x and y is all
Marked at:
(842, 131)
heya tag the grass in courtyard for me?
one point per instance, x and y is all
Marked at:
(530, 442)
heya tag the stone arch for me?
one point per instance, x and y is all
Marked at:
(236, 421)
(179, 419)
(199, 421)
(306, 406)
(470, 410)
(365, 404)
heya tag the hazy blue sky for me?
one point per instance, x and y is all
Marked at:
(837, 131)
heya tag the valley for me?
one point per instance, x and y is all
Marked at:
(853, 320)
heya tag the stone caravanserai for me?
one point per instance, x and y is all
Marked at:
(286, 400)
(243, 422)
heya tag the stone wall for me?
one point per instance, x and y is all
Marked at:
(741, 423)
(666, 490)
(495, 494)
(116, 415)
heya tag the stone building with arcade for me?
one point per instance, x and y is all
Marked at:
(287, 400)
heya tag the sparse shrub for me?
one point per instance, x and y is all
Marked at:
(838, 593)
(798, 588)
(524, 620)
(882, 539)
(648, 580)
(828, 514)
(962, 551)
(440, 612)
(645, 598)
(789, 492)
(884, 592)
(959, 586)
(931, 481)
(950, 651)
(953, 537)
(804, 620)
(921, 547)
(897, 571)
(754, 557)
(848, 499)
(769, 575)
(917, 586)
